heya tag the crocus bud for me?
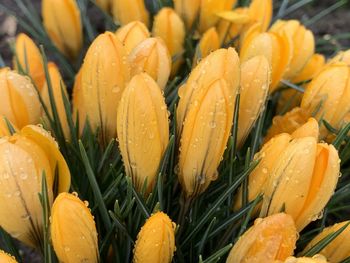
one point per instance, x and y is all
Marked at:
(24, 158)
(151, 56)
(271, 238)
(209, 10)
(19, 100)
(143, 130)
(188, 10)
(261, 11)
(73, 230)
(79, 111)
(58, 87)
(276, 48)
(342, 56)
(6, 258)
(255, 81)
(29, 58)
(231, 24)
(4, 128)
(303, 44)
(327, 96)
(269, 155)
(105, 73)
(156, 241)
(208, 43)
(248, 32)
(311, 69)
(62, 22)
(127, 11)
(339, 248)
(205, 114)
(302, 180)
(287, 123)
(169, 26)
(132, 34)
(315, 259)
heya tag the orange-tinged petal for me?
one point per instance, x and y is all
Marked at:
(127, 11)
(309, 129)
(78, 102)
(156, 241)
(73, 230)
(105, 73)
(151, 56)
(62, 22)
(132, 34)
(169, 26)
(19, 100)
(311, 69)
(188, 10)
(50, 147)
(339, 248)
(209, 10)
(142, 129)
(271, 238)
(6, 258)
(208, 43)
(261, 11)
(29, 58)
(255, 81)
(315, 259)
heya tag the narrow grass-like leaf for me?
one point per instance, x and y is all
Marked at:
(217, 255)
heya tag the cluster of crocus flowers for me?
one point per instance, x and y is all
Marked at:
(295, 174)
(25, 158)
(156, 240)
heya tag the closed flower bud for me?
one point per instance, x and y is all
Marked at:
(209, 10)
(269, 155)
(205, 115)
(143, 130)
(248, 32)
(132, 34)
(208, 43)
(303, 44)
(311, 69)
(63, 24)
(231, 24)
(287, 123)
(314, 259)
(169, 26)
(339, 248)
(24, 158)
(276, 48)
(342, 56)
(58, 87)
(255, 81)
(19, 100)
(188, 10)
(302, 180)
(327, 96)
(6, 258)
(127, 11)
(29, 58)
(79, 111)
(4, 128)
(151, 56)
(271, 238)
(105, 73)
(156, 241)
(73, 230)
(261, 11)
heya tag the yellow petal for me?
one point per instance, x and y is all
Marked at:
(188, 10)
(6, 258)
(62, 22)
(311, 69)
(142, 129)
(151, 56)
(28, 55)
(132, 34)
(78, 102)
(73, 230)
(261, 11)
(156, 235)
(315, 259)
(102, 87)
(255, 81)
(342, 56)
(209, 42)
(128, 11)
(309, 129)
(50, 147)
(271, 238)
